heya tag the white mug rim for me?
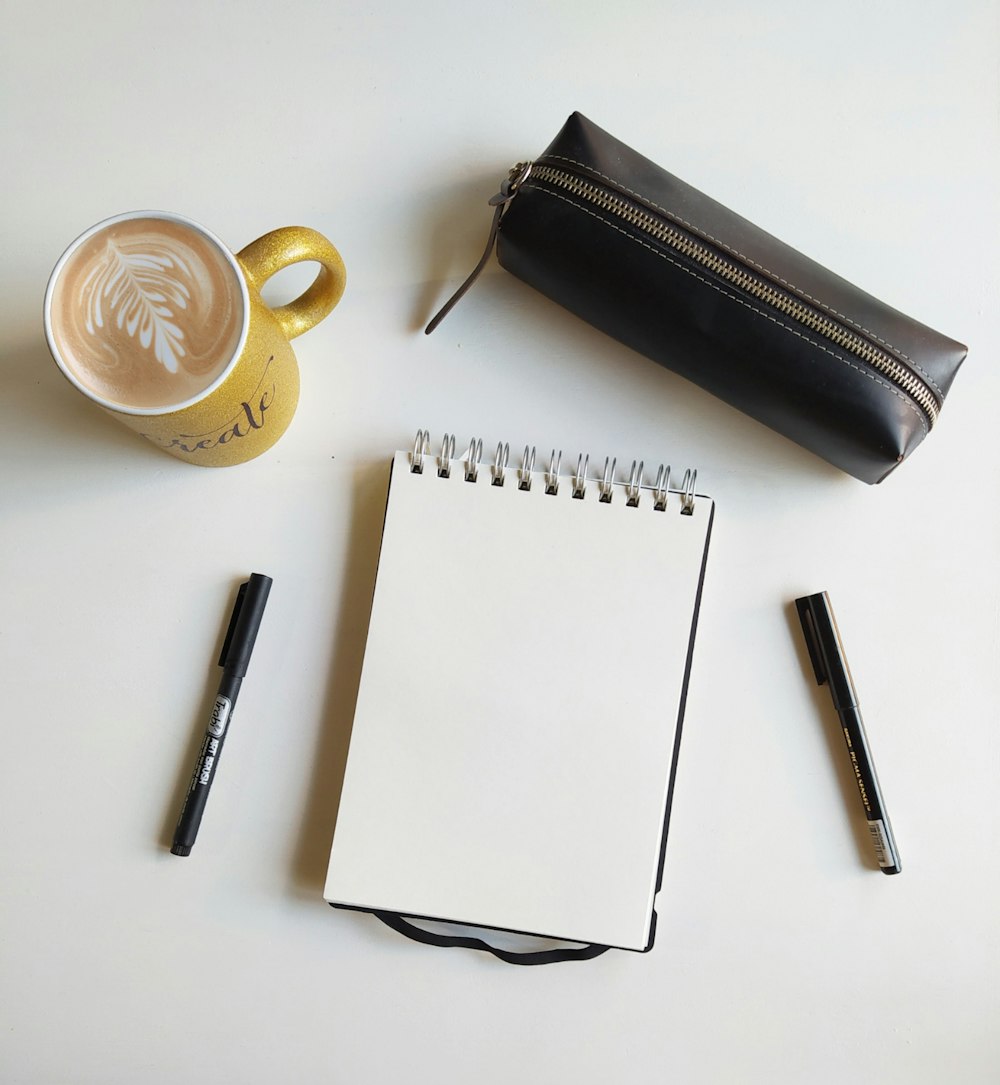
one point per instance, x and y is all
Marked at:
(114, 405)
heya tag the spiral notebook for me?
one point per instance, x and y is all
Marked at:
(515, 739)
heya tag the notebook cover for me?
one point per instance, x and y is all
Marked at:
(518, 718)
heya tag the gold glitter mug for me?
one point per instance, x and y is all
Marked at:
(151, 317)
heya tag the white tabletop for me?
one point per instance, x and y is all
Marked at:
(865, 135)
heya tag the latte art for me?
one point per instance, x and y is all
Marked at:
(147, 313)
(146, 289)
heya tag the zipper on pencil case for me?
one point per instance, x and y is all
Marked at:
(649, 222)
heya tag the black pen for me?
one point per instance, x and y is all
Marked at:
(235, 657)
(826, 650)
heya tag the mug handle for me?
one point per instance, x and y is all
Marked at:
(290, 245)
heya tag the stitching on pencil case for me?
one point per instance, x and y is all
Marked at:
(725, 293)
(760, 267)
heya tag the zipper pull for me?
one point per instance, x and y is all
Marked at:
(508, 190)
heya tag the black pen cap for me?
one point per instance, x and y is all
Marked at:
(244, 625)
(826, 649)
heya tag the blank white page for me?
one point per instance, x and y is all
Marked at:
(520, 696)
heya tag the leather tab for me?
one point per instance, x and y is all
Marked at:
(499, 202)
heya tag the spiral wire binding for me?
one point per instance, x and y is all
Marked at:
(500, 463)
(580, 476)
(687, 492)
(446, 456)
(606, 482)
(421, 446)
(552, 474)
(473, 456)
(634, 485)
(524, 471)
(660, 488)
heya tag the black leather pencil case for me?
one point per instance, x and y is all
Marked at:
(661, 267)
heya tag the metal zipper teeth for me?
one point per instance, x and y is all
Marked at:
(739, 276)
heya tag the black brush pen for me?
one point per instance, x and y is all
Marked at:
(826, 650)
(235, 657)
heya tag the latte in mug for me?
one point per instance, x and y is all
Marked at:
(147, 313)
(156, 321)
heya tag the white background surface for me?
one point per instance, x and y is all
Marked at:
(865, 135)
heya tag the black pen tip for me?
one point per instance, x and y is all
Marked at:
(180, 849)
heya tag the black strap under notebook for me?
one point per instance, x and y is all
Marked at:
(544, 956)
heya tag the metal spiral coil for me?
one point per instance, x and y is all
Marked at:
(661, 488)
(500, 463)
(687, 492)
(580, 476)
(552, 474)
(473, 456)
(606, 486)
(446, 456)
(527, 466)
(633, 486)
(421, 446)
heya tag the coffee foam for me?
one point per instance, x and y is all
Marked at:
(147, 313)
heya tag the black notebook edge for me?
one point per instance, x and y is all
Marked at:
(680, 726)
